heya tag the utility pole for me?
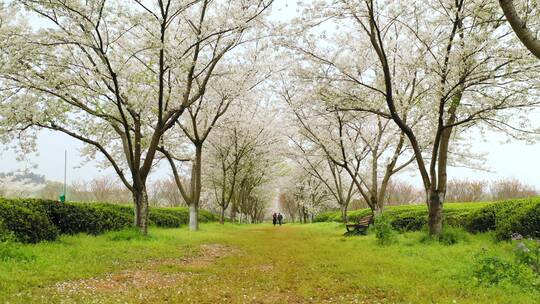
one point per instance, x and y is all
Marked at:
(63, 196)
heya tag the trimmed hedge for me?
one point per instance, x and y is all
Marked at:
(505, 217)
(73, 218)
(5, 233)
(35, 220)
(524, 220)
(27, 225)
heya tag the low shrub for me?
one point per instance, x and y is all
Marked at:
(410, 221)
(496, 271)
(323, 217)
(5, 233)
(76, 218)
(524, 220)
(492, 216)
(457, 217)
(125, 209)
(206, 216)
(482, 220)
(505, 218)
(27, 225)
(528, 253)
(384, 232)
(34, 220)
(175, 217)
(165, 219)
(452, 235)
(110, 219)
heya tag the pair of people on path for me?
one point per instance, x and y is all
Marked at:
(277, 218)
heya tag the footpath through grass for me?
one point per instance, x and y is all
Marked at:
(250, 264)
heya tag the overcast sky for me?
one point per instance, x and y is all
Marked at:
(514, 159)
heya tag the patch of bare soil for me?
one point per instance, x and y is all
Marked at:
(145, 277)
(121, 282)
(266, 268)
(206, 255)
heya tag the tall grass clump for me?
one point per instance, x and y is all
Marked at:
(128, 234)
(384, 232)
(450, 236)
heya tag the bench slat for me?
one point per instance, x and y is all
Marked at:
(365, 219)
(361, 224)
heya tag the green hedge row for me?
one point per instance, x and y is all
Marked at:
(504, 218)
(35, 220)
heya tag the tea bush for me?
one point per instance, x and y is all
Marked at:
(5, 233)
(35, 220)
(27, 225)
(524, 220)
(505, 218)
(165, 219)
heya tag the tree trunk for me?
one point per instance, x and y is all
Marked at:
(435, 206)
(195, 190)
(344, 216)
(377, 211)
(233, 213)
(140, 199)
(379, 206)
(524, 33)
(193, 217)
(222, 216)
(375, 205)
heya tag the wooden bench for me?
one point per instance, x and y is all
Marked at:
(361, 225)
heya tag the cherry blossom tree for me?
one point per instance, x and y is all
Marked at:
(233, 83)
(441, 67)
(333, 177)
(527, 28)
(166, 193)
(116, 75)
(366, 146)
(226, 158)
(306, 194)
(244, 157)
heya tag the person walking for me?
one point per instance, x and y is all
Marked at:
(274, 218)
(280, 218)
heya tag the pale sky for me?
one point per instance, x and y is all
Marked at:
(514, 159)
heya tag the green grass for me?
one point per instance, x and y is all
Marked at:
(260, 264)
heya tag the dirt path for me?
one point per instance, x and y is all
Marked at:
(259, 264)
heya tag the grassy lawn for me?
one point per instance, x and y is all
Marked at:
(251, 264)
